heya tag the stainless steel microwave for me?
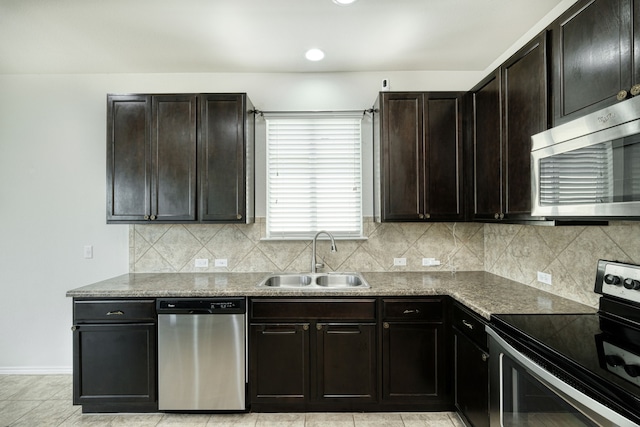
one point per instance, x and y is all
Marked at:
(589, 167)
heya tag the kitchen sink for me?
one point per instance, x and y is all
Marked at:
(316, 281)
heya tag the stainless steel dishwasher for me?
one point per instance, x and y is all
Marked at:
(201, 354)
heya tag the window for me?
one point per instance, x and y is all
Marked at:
(314, 175)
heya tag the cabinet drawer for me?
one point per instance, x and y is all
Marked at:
(114, 311)
(470, 325)
(313, 309)
(430, 310)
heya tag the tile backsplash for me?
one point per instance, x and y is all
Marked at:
(174, 248)
(516, 252)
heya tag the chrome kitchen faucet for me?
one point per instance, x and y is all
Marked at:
(314, 264)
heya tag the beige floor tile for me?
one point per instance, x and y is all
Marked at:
(88, 420)
(49, 413)
(280, 420)
(40, 387)
(323, 419)
(233, 420)
(378, 419)
(11, 412)
(426, 419)
(185, 420)
(136, 420)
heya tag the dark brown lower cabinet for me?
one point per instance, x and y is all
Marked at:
(471, 367)
(279, 363)
(313, 354)
(416, 373)
(346, 362)
(114, 356)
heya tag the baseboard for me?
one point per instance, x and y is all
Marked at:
(36, 370)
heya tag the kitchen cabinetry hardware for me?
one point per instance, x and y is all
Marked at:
(622, 95)
(319, 327)
(115, 313)
(467, 324)
(635, 90)
(305, 327)
(73, 328)
(485, 357)
(410, 311)
(385, 325)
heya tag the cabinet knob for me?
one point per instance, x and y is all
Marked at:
(319, 327)
(622, 95)
(152, 217)
(146, 217)
(427, 216)
(421, 216)
(485, 357)
(496, 216)
(74, 327)
(239, 216)
(305, 327)
(385, 325)
(635, 90)
(501, 216)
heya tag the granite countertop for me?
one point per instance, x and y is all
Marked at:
(485, 293)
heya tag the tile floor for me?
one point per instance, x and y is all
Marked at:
(45, 400)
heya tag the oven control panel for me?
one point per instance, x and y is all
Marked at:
(619, 280)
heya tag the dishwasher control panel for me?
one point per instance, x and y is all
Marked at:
(201, 305)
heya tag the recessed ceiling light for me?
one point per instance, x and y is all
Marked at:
(314, 54)
(344, 2)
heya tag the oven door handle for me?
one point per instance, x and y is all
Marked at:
(587, 405)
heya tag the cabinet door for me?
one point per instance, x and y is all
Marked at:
(414, 366)
(443, 152)
(173, 160)
(592, 57)
(279, 363)
(524, 93)
(472, 381)
(128, 157)
(487, 150)
(222, 145)
(402, 147)
(114, 364)
(346, 362)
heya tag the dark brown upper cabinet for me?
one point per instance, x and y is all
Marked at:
(507, 108)
(179, 158)
(418, 156)
(226, 158)
(596, 54)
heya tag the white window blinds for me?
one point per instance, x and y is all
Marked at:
(314, 175)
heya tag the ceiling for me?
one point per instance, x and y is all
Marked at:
(204, 36)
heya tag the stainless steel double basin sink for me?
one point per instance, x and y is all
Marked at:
(314, 281)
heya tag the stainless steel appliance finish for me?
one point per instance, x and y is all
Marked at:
(571, 369)
(589, 167)
(202, 354)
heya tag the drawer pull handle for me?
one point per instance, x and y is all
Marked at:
(115, 313)
(467, 324)
(416, 311)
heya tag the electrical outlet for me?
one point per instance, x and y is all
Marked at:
(221, 262)
(88, 251)
(429, 262)
(544, 278)
(202, 262)
(400, 261)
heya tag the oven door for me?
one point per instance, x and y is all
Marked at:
(525, 394)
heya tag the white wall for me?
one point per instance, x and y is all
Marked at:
(52, 184)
